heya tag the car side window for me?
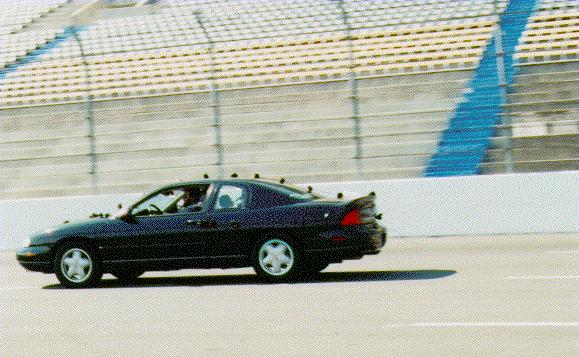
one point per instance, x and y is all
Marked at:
(230, 197)
(158, 204)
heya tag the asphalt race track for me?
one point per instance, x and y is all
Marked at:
(500, 295)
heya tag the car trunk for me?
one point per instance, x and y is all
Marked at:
(365, 205)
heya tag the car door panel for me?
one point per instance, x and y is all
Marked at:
(163, 237)
(231, 235)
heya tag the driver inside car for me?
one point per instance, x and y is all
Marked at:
(192, 200)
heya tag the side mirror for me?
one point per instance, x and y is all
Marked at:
(124, 214)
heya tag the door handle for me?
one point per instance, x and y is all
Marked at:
(234, 224)
(206, 223)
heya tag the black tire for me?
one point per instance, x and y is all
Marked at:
(285, 264)
(76, 265)
(128, 276)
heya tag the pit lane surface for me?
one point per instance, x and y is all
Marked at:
(502, 295)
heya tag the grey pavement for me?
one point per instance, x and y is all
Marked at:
(485, 296)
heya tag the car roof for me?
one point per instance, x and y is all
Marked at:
(260, 181)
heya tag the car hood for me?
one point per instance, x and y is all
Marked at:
(92, 225)
(83, 228)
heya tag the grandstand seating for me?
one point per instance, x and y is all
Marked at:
(15, 16)
(300, 45)
(283, 70)
(543, 103)
(182, 70)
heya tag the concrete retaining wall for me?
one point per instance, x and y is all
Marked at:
(476, 205)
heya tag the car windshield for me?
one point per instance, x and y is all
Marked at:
(158, 203)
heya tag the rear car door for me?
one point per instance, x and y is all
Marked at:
(229, 213)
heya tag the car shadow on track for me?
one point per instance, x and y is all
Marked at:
(252, 279)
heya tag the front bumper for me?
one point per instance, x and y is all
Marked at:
(35, 258)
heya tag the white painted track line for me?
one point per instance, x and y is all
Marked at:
(553, 277)
(5, 288)
(498, 324)
(562, 252)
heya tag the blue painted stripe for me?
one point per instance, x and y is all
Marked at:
(463, 145)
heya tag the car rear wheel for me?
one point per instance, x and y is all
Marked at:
(77, 266)
(276, 260)
(127, 276)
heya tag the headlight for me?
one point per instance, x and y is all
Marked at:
(26, 242)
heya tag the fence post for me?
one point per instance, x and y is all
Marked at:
(354, 91)
(215, 93)
(89, 112)
(506, 123)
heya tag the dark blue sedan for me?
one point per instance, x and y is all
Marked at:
(281, 231)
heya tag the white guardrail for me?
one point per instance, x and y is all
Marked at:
(468, 205)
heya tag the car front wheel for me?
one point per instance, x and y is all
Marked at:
(76, 266)
(276, 260)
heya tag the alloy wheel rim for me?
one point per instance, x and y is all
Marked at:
(276, 257)
(76, 265)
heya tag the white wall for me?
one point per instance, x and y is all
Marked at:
(475, 205)
(20, 218)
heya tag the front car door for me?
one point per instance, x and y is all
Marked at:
(158, 231)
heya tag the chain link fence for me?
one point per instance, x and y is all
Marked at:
(185, 90)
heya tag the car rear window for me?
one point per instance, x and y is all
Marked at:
(294, 192)
(271, 195)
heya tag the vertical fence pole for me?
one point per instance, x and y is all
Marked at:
(354, 91)
(89, 112)
(215, 94)
(506, 124)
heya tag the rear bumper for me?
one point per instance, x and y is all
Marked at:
(36, 258)
(355, 243)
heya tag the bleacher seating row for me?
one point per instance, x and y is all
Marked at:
(15, 46)
(27, 26)
(293, 62)
(16, 14)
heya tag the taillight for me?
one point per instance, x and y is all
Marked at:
(352, 218)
